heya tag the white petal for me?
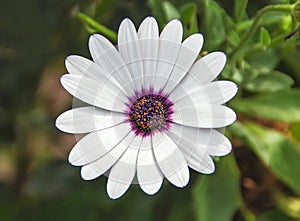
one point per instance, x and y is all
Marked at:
(87, 119)
(107, 56)
(81, 66)
(100, 166)
(149, 175)
(169, 46)
(203, 116)
(148, 29)
(197, 144)
(189, 51)
(170, 160)
(129, 48)
(172, 31)
(76, 64)
(217, 92)
(105, 95)
(97, 144)
(188, 140)
(205, 70)
(149, 41)
(123, 172)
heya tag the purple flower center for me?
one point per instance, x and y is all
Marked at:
(150, 113)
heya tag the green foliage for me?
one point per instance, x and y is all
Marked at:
(279, 153)
(212, 192)
(271, 82)
(281, 106)
(265, 38)
(37, 184)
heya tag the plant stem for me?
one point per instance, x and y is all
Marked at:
(257, 17)
(86, 20)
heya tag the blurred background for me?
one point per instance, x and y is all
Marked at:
(259, 181)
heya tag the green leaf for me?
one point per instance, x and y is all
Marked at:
(215, 32)
(189, 19)
(271, 82)
(240, 9)
(218, 192)
(295, 131)
(233, 37)
(279, 153)
(281, 105)
(263, 61)
(157, 11)
(93, 26)
(170, 11)
(274, 215)
(265, 38)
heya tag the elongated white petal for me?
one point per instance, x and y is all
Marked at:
(123, 172)
(188, 53)
(107, 56)
(81, 66)
(210, 141)
(217, 92)
(87, 119)
(171, 161)
(149, 42)
(101, 165)
(197, 145)
(129, 48)
(188, 140)
(105, 95)
(148, 29)
(203, 116)
(149, 175)
(205, 70)
(97, 144)
(77, 65)
(169, 47)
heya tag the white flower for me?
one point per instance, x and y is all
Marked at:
(150, 108)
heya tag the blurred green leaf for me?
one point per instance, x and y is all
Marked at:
(170, 11)
(290, 205)
(271, 82)
(157, 10)
(189, 19)
(215, 32)
(279, 153)
(263, 61)
(265, 38)
(295, 131)
(220, 190)
(233, 38)
(93, 26)
(281, 105)
(274, 215)
(239, 9)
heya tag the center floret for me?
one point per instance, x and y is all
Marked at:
(150, 113)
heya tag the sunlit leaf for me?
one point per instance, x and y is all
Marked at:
(295, 130)
(278, 152)
(218, 191)
(265, 38)
(282, 105)
(271, 82)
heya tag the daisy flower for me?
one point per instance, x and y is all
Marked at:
(152, 109)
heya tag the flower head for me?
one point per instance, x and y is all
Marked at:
(151, 109)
